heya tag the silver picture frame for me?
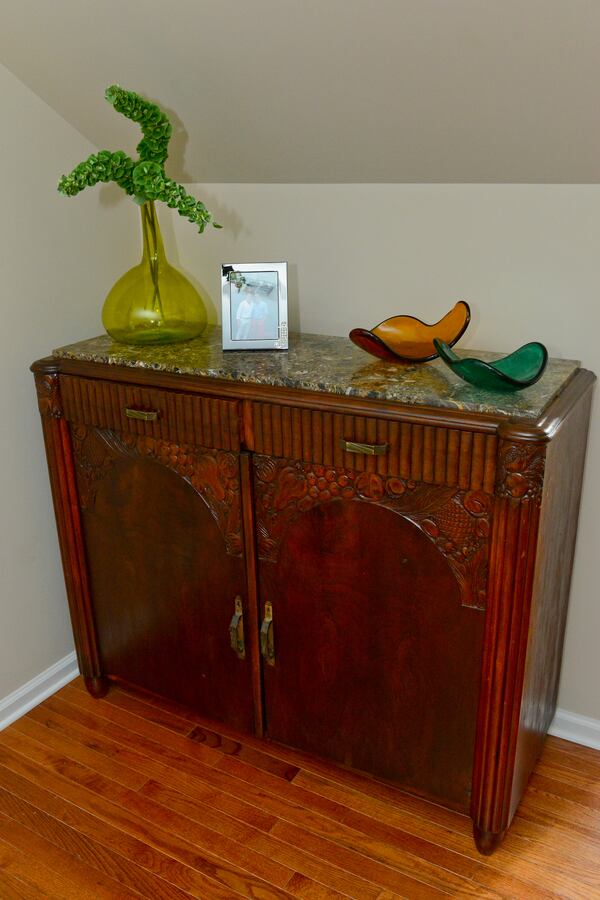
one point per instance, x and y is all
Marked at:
(254, 306)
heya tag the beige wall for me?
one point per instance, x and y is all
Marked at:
(57, 259)
(525, 257)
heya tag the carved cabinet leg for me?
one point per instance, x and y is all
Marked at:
(59, 455)
(487, 841)
(512, 554)
(97, 686)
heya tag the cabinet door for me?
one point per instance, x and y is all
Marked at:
(162, 532)
(376, 637)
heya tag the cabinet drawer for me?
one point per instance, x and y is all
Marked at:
(182, 418)
(431, 454)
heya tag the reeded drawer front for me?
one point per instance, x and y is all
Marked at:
(431, 454)
(179, 417)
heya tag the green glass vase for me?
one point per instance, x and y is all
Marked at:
(153, 303)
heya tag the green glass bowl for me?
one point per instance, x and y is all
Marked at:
(514, 372)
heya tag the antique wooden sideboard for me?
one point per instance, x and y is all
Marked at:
(367, 561)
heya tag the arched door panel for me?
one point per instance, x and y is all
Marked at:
(163, 541)
(377, 659)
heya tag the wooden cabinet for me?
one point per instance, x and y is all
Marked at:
(362, 578)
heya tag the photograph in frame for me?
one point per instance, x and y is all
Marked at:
(254, 306)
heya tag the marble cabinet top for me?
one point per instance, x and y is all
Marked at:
(316, 362)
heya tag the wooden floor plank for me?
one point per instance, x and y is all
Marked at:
(90, 881)
(396, 879)
(182, 748)
(291, 809)
(144, 702)
(134, 796)
(93, 733)
(572, 749)
(302, 886)
(76, 784)
(15, 889)
(240, 750)
(288, 804)
(351, 861)
(577, 815)
(533, 873)
(558, 788)
(553, 837)
(153, 750)
(72, 830)
(78, 753)
(569, 760)
(219, 847)
(568, 776)
(48, 884)
(540, 876)
(527, 872)
(174, 873)
(137, 819)
(308, 762)
(382, 840)
(199, 733)
(266, 844)
(218, 809)
(485, 874)
(351, 885)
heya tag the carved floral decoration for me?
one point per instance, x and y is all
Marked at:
(521, 471)
(213, 474)
(48, 396)
(456, 521)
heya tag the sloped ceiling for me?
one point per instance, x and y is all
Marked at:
(329, 90)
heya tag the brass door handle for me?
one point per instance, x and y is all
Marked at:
(367, 449)
(150, 415)
(236, 629)
(267, 643)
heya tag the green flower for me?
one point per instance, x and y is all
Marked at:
(143, 179)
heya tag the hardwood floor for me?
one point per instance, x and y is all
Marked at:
(131, 796)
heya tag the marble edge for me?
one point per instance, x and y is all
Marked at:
(77, 352)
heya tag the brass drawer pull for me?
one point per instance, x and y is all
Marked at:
(367, 449)
(236, 629)
(267, 643)
(150, 415)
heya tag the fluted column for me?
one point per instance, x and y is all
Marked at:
(520, 475)
(66, 508)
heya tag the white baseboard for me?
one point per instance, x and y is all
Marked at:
(43, 685)
(576, 728)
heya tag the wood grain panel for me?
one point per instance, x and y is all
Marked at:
(434, 455)
(183, 418)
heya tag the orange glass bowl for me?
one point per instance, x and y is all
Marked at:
(407, 339)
